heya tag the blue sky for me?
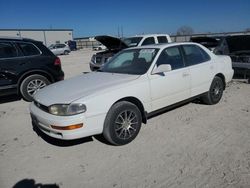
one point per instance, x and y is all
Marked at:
(93, 17)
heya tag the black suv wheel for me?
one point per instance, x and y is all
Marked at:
(31, 85)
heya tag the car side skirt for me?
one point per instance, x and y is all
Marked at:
(171, 107)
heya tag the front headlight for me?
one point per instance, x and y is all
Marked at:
(67, 109)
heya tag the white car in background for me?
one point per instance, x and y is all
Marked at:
(133, 85)
(59, 49)
(99, 47)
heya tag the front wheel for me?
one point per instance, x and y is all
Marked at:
(31, 85)
(122, 123)
(215, 92)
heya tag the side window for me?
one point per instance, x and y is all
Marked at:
(206, 57)
(195, 55)
(61, 45)
(28, 49)
(162, 39)
(149, 40)
(171, 56)
(7, 50)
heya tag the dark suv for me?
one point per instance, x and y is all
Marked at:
(26, 66)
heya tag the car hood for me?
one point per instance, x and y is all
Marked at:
(67, 91)
(111, 42)
(208, 42)
(238, 43)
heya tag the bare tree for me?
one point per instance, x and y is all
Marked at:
(185, 30)
(247, 29)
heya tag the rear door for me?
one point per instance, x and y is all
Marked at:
(173, 86)
(9, 62)
(30, 57)
(202, 68)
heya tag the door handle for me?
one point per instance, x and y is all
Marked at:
(185, 74)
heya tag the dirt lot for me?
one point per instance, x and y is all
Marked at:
(194, 145)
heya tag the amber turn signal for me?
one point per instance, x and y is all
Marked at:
(70, 127)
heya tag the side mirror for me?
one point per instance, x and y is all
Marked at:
(162, 68)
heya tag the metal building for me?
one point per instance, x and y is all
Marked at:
(47, 36)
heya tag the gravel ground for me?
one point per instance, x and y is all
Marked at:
(194, 145)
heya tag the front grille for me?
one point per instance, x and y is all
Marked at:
(240, 59)
(41, 106)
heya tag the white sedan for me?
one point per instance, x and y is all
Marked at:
(133, 85)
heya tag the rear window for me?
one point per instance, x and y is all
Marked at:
(149, 40)
(7, 50)
(28, 49)
(162, 39)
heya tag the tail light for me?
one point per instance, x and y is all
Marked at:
(57, 62)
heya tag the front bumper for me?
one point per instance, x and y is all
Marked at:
(44, 120)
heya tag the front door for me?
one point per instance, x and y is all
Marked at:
(173, 86)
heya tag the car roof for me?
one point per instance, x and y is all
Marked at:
(160, 46)
(17, 39)
(148, 35)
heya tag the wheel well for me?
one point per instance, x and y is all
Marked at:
(46, 75)
(223, 79)
(138, 103)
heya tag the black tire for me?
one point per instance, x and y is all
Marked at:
(66, 52)
(213, 96)
(122, 123)
(31, 84)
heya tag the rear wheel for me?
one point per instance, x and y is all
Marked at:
(215, 92)
(31, 85)
(66, 52)
(122, 123)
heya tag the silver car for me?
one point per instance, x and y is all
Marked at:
(60, 49)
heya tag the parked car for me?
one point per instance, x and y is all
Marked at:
(210, 42)
(114, 45)
(26, 66)
(60, 49)
(238, 48)
(135, 84)
(99, 47)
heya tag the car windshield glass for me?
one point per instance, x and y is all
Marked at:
(132, 41)
(133, 61)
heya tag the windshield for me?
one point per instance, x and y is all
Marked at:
(133, 61)
(132, 41)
